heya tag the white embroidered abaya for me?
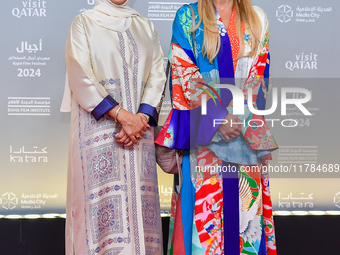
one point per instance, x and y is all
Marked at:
(113, 56)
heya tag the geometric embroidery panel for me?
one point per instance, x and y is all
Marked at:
(149, 169)
(110, 84)
(113, 251)
(114, 91)
(151, 214)
(105, 122)
(92, 125)
(102, 165)
(113, 88)
(151, 251)
(106, 217)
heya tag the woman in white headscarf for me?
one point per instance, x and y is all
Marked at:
(115, 82)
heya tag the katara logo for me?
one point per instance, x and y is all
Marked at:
(284, 13)
(9, 201)
(337, 200)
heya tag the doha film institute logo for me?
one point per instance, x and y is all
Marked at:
(284, 13)
(8, 201)
(337, 200)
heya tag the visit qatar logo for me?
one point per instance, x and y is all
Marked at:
(284, 13)
(303, 61)
(30, 9)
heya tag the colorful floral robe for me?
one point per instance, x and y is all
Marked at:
(216, 212)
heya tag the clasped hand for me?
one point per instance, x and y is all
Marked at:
(133, 129)
(230, 129)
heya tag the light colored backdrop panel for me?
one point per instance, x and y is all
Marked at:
(34, 134)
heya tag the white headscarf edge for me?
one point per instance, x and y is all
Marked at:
(116, 10)
(112, 16)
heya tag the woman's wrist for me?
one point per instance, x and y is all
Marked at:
(123, 116)
(147, 117)
(117, 113)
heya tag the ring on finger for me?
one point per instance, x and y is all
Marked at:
(138, 136)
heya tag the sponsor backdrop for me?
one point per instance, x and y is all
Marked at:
(34, 134)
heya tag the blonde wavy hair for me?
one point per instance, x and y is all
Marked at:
(244, 13)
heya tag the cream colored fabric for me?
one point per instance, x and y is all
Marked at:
(112, 196)
(86, 38)
(112, 16)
